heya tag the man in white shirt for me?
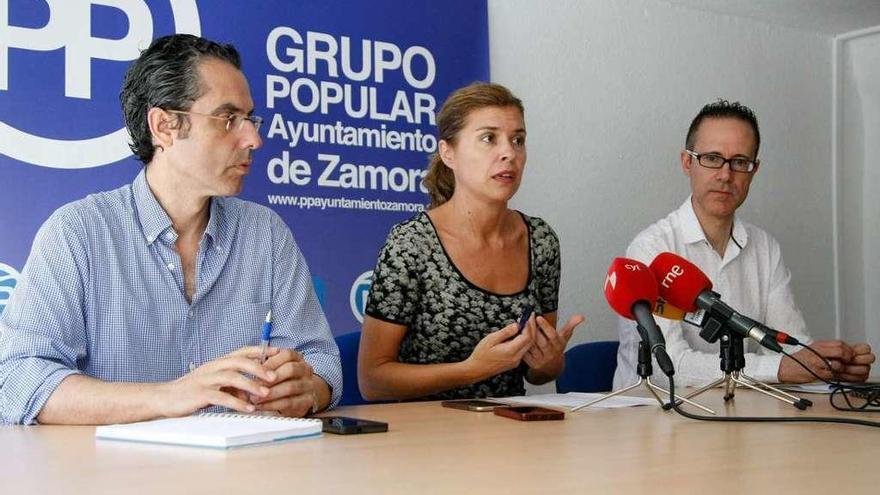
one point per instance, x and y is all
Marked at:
(743, 261)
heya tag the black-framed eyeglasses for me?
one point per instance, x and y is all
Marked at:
(714, 160)
(234, 122)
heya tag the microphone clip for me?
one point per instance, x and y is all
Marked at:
(712, 328)
(712, 320)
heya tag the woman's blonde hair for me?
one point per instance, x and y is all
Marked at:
(439, 180)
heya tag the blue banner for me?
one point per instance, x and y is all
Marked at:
(349, 91)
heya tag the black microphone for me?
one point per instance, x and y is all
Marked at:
(687, 287)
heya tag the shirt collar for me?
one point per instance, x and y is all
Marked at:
(693, 232)
(154, 220)
(217, 220)
(690, 225)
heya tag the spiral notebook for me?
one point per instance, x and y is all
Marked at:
(214, 430)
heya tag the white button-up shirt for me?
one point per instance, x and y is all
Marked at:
(751, 278)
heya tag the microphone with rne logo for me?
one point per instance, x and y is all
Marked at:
(631, 290)
(685, 286)
(698, 318)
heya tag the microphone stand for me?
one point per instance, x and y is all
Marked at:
(644, 370)
(732, 363)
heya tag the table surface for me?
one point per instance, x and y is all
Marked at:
(432, 449)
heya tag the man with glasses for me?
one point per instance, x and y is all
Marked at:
(743, 261)
(148, 301)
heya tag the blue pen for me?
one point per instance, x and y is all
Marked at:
(267, 334)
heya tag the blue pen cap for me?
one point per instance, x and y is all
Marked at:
(267, 327)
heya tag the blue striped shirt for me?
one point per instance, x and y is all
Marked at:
(102, 294)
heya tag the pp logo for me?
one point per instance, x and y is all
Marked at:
(69, 27)
(358, 296)
(8, 280)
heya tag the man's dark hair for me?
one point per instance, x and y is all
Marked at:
(723, 109)
(166, 75)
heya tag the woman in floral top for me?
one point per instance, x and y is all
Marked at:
(451, 283)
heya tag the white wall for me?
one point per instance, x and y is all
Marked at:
(859, 187)
(610, 88)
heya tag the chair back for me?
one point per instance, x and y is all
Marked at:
(348, 354)
(589, 367)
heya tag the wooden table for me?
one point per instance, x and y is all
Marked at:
(431, 449)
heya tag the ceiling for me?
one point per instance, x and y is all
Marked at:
(830, 17)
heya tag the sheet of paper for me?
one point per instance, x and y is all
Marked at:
(574, 399)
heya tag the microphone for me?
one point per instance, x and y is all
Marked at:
(630, 289)
(698, 318)
(685, 286)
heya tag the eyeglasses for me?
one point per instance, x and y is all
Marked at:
(234, 122)
(714, 160)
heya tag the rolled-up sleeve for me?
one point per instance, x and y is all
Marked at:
(299, 321)
(42, 330)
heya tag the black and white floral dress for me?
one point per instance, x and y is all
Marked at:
(416, 284)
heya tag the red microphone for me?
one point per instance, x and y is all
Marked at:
(631, 291)
(628, 282)
(685, 286)
(680, 281)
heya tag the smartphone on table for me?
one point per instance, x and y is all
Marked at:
(529, 413)
(343, 425)
(472, 404)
